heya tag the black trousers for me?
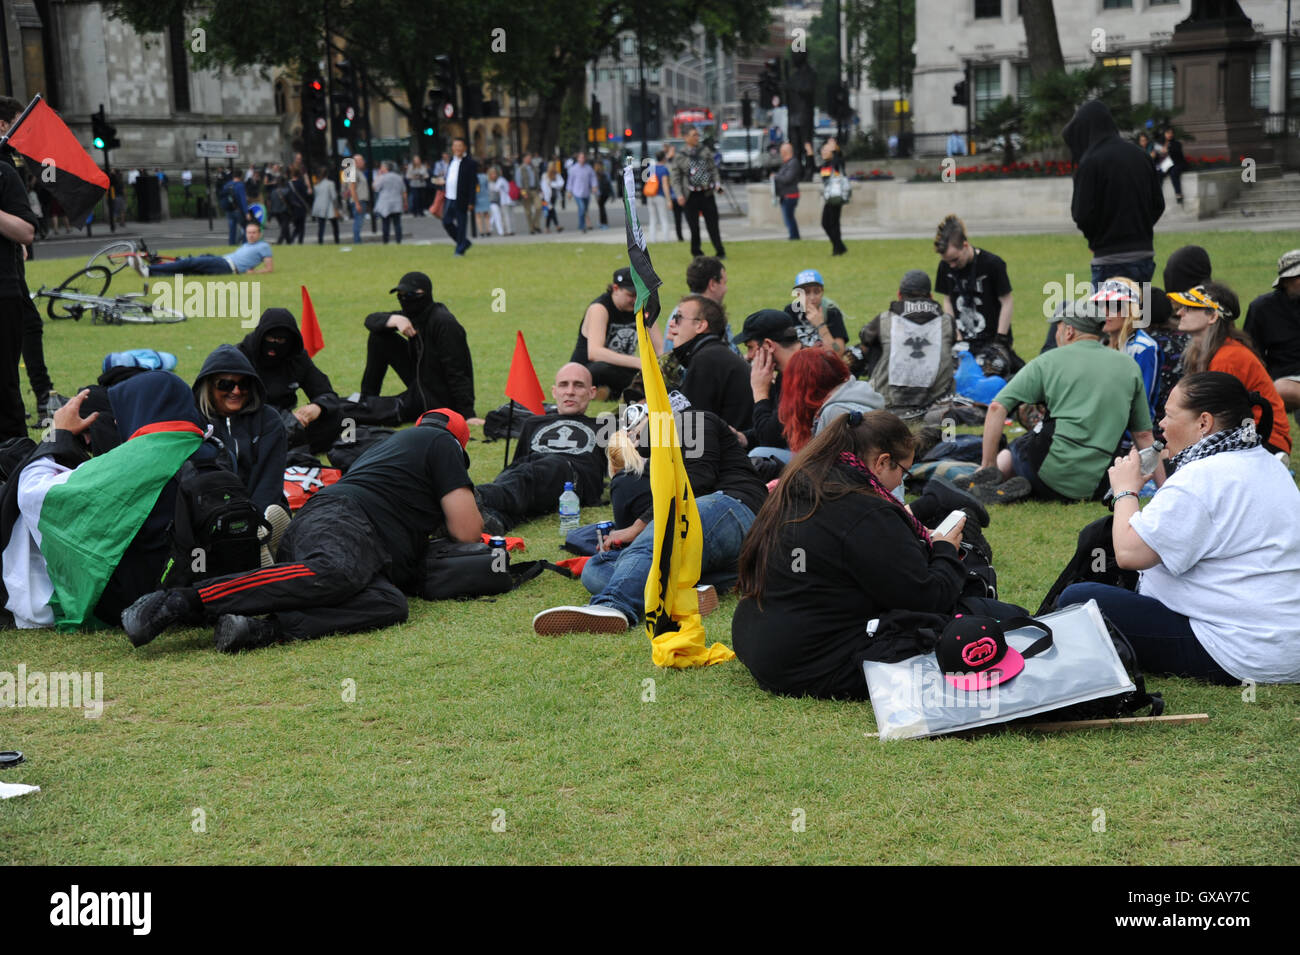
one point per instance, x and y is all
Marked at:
(13, 417)
(332, 577)
(34, 352)
(677, 218)
(320, 230)
(831, 224)
(532, 487)
(613, 377)
(698, 203)
(385, 350)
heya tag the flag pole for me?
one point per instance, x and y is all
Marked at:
(510, 426)
(18, 120)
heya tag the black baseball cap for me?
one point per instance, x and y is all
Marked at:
(413, 283)
(623, 279)
(767, 323)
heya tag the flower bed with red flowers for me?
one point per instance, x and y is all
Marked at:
(873, 174)
(1037, 169)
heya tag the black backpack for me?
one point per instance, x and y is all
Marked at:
(1119, 705)
(498, 423)
(215, 530)
(451, 569)
(1093, 562)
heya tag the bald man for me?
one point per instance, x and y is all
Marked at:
(553, 449)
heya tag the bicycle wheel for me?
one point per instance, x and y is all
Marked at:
(129, 311)
(104, 256)
(89, 281)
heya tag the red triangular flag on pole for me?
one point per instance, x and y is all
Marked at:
(312, 340)
(522, 385)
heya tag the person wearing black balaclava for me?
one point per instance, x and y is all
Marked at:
(427, 348)
(275, 348)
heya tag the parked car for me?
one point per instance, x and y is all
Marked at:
(745, 155)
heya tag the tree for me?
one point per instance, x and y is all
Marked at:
(1001, 127)
(1041, 38)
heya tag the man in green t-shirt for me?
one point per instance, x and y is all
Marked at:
(1093, 395)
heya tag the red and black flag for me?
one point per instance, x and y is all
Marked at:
(57, 160)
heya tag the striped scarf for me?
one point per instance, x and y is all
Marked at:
(854, 463)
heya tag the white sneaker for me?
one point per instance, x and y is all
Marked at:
(592, 618)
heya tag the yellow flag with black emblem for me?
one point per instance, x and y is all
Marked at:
(672, 613)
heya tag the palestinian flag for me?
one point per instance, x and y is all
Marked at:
(57, 160)
(643, 273)
(90, 515)
(672, 616)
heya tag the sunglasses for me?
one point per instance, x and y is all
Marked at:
(227, 385)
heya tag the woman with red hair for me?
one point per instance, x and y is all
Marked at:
(816, 388)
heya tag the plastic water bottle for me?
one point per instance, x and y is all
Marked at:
(570, 511)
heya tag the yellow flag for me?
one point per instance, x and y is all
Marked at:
(672, 613)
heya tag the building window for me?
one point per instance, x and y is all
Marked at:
(1023, 78)
(988, 9)
(1122, 67)
(1117, 4)
(1160, 82)
(1293, 79)
(1259, 77)
(629, 46)
(180, 67)
(988, 89)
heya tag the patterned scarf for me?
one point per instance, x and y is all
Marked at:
(851, 461)
(1229, 439)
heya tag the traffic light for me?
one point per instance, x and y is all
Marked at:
(315, 118)
(444, 77)
(346, 98)
(653, 127)
(960, 96)
(429, 115)
(595, 112)
(473, 99)
(104, 136)
(841, 109)
(747, 112)
(769, 85)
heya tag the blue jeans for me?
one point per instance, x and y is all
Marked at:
(454, 222)
(1163, 640)
(358, 217)
(617, 578)
(787, 213)
(193, 265)
(235, 226)
(1142, 271)
(582, 211)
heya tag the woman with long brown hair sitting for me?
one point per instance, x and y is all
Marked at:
(833, 548)
(1207, 313)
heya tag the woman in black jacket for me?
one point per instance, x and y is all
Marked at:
(831, 549)
(251, 439)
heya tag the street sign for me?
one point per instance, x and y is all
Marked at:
(320, 123)
(216, 149)
(448, 109)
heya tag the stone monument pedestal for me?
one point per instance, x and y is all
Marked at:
(1212, 65)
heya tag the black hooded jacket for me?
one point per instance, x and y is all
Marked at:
(1117, 197)
(252, 443)
(440, 351)
(717, 380)
(288, 369)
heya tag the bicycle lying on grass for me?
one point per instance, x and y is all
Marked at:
(83, 291)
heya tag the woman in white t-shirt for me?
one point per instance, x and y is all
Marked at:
(1218, 545)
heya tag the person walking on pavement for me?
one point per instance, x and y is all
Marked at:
(358, 192)
(695, 177)
(786, 185)
(462, 181)
(582, 183)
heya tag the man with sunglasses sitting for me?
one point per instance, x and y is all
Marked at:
(250, 436)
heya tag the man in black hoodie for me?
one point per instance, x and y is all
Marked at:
(1117, 198)
(716, 379)
(275, 348)
(770, 341)
(426, 346)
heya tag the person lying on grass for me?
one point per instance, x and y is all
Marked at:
(1218, 545)
(348, 556)
(832, 548)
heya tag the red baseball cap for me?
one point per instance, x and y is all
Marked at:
(451, 420)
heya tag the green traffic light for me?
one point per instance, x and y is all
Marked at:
(99, 142)
(428, 131)
(347, 122)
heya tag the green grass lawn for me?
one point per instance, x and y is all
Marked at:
(463, 716)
